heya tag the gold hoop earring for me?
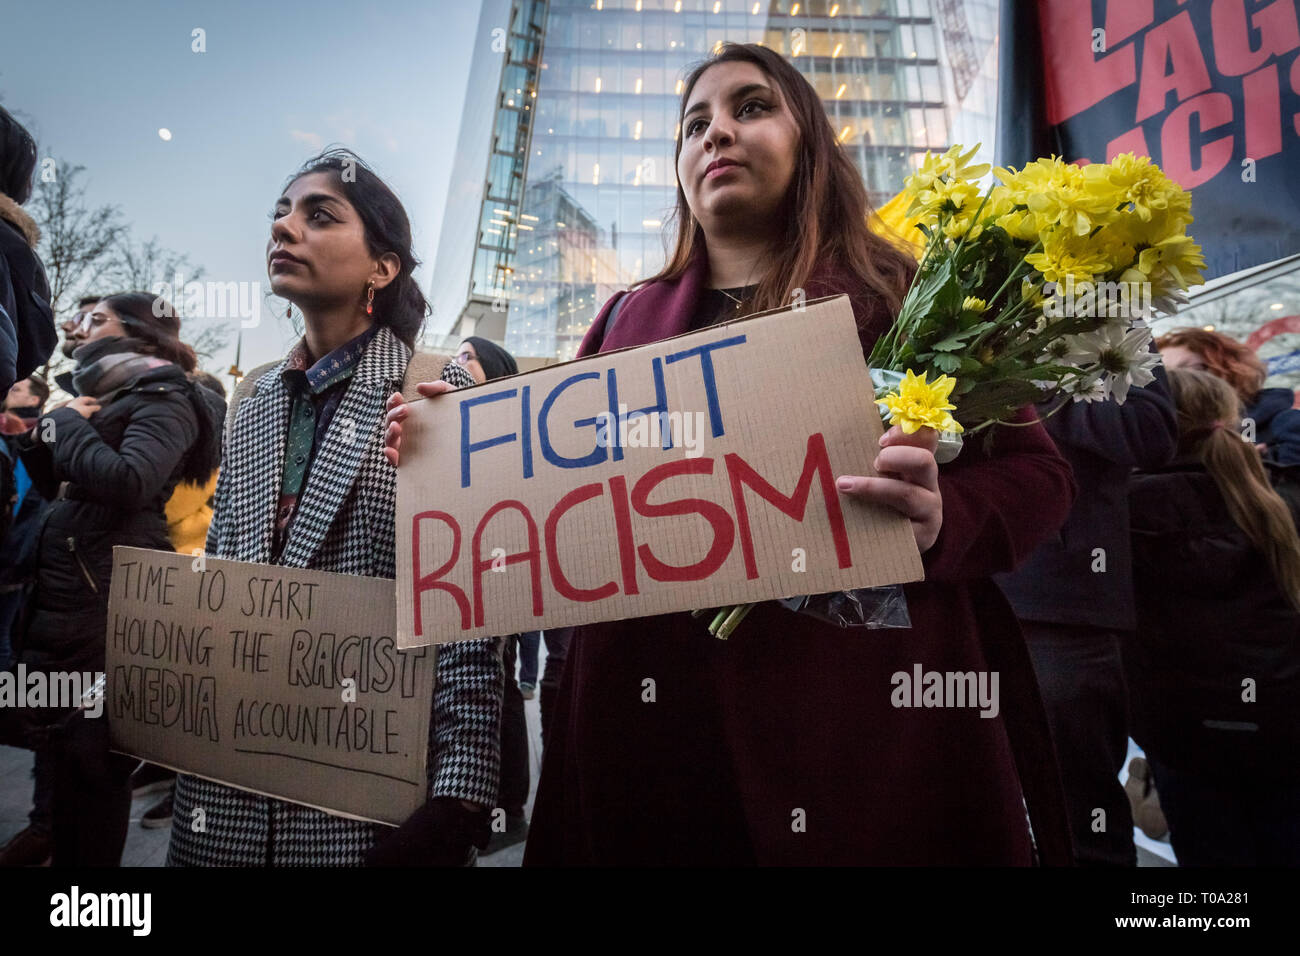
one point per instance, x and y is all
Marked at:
(370, 299)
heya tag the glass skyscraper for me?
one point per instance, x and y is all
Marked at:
(578, 142)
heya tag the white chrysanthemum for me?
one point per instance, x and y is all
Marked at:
(1087, 388)
(1169, 302)
(1058, 351)
(1121, 356)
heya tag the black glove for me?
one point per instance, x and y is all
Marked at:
(440, 833)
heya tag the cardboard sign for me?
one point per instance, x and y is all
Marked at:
(281, 681)
(696, 472)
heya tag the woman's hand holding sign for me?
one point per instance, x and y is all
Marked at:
(908, 481)
(397, 411)
(462, 372)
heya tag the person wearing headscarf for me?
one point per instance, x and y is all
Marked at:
(485, 360)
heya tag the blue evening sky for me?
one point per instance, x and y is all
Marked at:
(94, 82)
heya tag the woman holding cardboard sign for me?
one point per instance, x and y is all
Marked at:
(785, 744)
(304, 484)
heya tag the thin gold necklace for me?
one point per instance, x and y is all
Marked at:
(739, 303)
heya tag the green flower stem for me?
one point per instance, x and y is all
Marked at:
(997, 421)
(885, 349)
(890, 338)
(1023, 309)
(973, 223)
(885, 352)
(1014, 274)
(717, 621)
(1014, 326)
(1052, 332)
(1008, 324)
(733, 620)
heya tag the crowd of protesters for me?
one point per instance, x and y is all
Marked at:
(1130, 571)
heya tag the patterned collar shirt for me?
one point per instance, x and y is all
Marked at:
(316, 392)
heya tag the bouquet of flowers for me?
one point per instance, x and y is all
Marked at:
(1038, 287)
(1034, 289)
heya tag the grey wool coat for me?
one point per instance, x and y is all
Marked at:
(344, 523)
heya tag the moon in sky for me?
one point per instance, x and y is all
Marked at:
(165, 134)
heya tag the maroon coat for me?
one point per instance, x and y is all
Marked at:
(794, 715)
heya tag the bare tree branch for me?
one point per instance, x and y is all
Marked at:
(90, 251)
(76, 240)
(208, 338)
(145, 266)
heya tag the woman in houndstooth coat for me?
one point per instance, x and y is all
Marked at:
(304, 483)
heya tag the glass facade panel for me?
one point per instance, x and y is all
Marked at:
(577, 204)
(1252, 306)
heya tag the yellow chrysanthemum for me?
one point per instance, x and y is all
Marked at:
(944, 189)
(1116, 248)
(1035, 177)
(1079, 200)
(962, 225)
(944, 198)
(1019, 224)
(1000, 203)
(952, 166)
(974, 304)
(1162, 224)
(917, 403)
(1064, 256)
(1178, 255)
(1051, 192)
(1144, 185)
(1031, 293)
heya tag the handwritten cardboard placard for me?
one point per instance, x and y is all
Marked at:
(277, 680)
(695, 472)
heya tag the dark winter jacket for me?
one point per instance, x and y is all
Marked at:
(1277, 424)
(1210, 616)
(1082, 574)
(27, 334)
(112, 475)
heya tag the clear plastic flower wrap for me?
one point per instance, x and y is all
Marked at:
(860, 607)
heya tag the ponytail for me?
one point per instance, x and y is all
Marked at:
(1207, 423)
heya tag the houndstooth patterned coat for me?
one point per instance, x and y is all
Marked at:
(344, 523)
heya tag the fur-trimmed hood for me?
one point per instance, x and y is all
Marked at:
(27, 333)
(13, 213)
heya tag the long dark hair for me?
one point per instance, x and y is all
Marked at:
(139, 314)
(826, 210)
(400, 305)
(17, 158)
